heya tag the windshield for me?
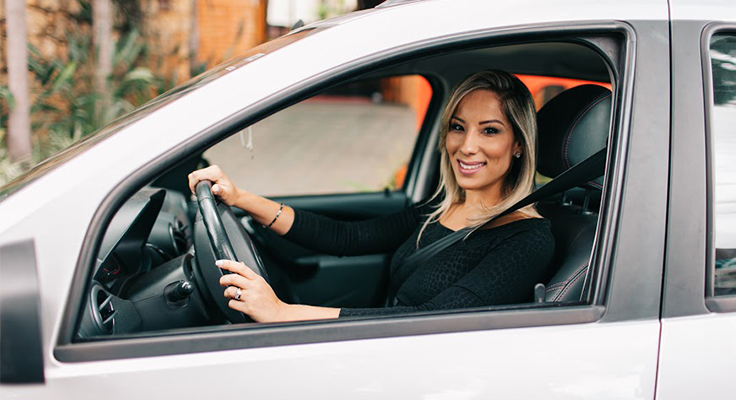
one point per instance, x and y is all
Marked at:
(160, 101)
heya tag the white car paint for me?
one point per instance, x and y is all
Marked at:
(697, 353)
(514, 363)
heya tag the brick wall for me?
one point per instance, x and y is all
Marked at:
(229, 27)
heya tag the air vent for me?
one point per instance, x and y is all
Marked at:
(103, 311)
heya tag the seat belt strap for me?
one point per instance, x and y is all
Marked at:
(586, 170)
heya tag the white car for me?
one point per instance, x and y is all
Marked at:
(105, 291)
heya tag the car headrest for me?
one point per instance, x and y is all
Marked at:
(573, 126)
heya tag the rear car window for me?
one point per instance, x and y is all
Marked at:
(723, 157)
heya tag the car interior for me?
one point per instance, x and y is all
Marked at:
(155, 265)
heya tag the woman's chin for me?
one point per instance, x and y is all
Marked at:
(474, 183)
(468, 184)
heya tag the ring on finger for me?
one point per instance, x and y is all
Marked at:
(238, 293)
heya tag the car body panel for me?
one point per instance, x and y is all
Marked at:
(697, 353)
(696, 349)
(462, 365)
(711, 10)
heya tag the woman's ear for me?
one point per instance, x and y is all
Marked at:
(518, 149)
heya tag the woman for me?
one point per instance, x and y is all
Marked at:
(488, 147)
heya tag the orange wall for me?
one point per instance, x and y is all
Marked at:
(228, 28)
(537, 84)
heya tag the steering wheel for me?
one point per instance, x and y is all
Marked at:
(219, 235)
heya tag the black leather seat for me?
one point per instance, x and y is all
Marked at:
(572, 126)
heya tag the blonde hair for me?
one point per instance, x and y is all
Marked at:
(518, 106)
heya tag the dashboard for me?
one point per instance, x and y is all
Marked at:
(143, 278)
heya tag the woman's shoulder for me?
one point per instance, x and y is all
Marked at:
(532, 229)
(519, 220)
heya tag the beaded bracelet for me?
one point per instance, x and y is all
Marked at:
(281, 207)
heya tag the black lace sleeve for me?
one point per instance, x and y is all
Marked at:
(340, 238)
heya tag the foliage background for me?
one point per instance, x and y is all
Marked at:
(157, 45)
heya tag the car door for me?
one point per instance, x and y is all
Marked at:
(697, 356)
(604, 346)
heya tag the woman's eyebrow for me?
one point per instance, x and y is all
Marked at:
(479, 123)
(490, 121)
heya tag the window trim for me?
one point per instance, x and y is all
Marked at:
(548, 314)
(723, 303)
(236, 337)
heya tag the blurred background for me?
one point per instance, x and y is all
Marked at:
(68, 67)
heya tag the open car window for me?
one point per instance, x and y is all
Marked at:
(355, 137)
(336, 153)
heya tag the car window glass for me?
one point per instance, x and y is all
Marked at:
(356, 137)
(723, 131)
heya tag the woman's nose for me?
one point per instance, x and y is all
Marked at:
(470, 143)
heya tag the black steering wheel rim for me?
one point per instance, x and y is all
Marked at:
(219, 239)
(218, 234)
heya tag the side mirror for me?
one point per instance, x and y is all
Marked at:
(21, 346)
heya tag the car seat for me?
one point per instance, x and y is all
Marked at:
(572, 126)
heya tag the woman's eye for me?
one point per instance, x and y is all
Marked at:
(456, 127)
(490, 131)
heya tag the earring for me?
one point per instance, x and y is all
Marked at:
(517, 155)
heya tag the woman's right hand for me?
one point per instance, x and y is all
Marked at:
(222, 186)
(264, 211)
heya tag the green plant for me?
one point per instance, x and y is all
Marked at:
(65, 109)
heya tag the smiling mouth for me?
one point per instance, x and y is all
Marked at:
(468, 168)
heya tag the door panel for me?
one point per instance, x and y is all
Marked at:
(698, 357)
(591, 361)
(698, 351)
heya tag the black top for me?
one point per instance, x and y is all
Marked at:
(493, 266)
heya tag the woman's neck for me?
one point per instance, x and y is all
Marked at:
(481, 200)
(462, 213)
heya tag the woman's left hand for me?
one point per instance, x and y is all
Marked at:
(257, 298)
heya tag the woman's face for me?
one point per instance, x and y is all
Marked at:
(480, 143)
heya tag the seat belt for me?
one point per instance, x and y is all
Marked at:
(586, 170)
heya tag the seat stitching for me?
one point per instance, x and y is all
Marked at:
(565, 282)
(575, 277)
(565, 160)
(577, 121)
(556, 286)
(577, 271)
